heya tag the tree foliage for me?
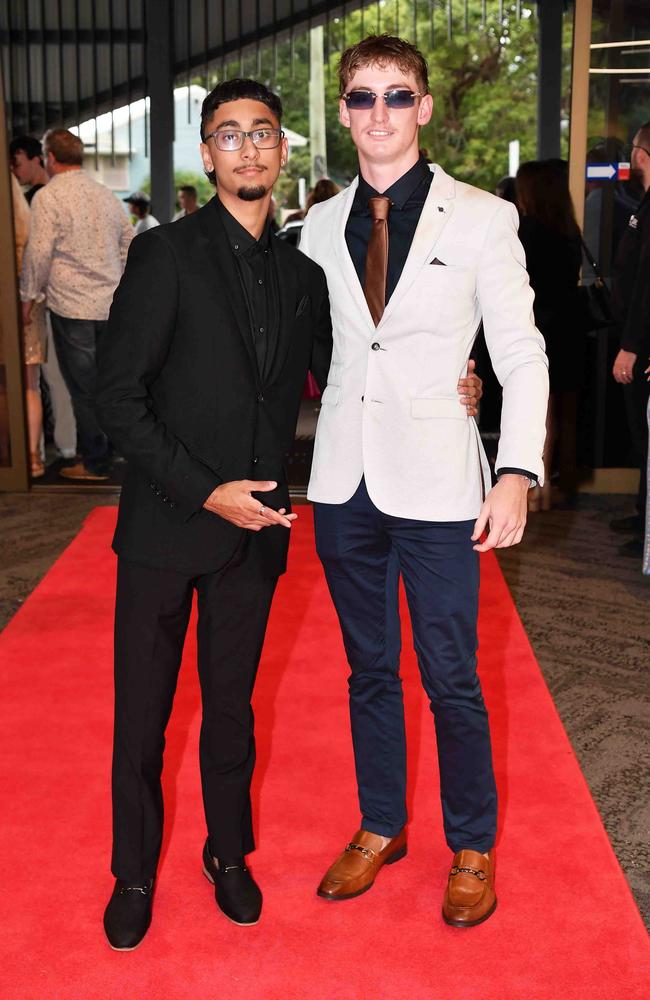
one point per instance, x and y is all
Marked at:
(483, 77)
(483, 80)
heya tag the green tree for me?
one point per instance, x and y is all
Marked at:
(483, 80)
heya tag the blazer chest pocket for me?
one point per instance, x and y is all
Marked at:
(447, 407)
(449, 279)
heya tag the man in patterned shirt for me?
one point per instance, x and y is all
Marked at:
(75, 256)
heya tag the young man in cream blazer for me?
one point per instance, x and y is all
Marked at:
(400, 481)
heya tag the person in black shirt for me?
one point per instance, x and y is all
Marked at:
(212, 331)
(631, 293)
(26, 155)
(257, 273)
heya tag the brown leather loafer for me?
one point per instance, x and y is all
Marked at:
(356, 869)
(79, 471)
(470, 897)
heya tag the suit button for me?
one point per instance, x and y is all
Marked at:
(362, 398)
(260, 397)
(375, 346)
(255, 460)
(172, 505)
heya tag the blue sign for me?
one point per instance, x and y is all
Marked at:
(601, 171)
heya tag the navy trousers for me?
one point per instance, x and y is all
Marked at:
(364, 552)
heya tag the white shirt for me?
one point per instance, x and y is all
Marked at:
(142, 225)
(77, 247)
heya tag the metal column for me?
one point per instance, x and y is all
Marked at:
(549, 85)
(161, 114)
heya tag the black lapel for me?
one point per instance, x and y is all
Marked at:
(229, 282)
(287, 294)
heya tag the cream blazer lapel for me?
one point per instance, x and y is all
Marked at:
(436, 212)
(346, 266)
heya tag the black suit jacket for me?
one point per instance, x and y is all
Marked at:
(180, 395)
(631, 285)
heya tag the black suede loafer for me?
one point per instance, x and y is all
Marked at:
(237, 894)
(128, 914)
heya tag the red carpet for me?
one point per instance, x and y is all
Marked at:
(566, 926)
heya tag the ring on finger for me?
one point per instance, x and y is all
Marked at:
(261, 510)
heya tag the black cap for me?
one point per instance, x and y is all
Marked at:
(138, 198)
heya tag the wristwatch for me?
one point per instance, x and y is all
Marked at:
(514, 472)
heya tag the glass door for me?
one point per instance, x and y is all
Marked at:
(613, 91)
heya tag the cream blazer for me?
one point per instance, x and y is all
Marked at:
(390, 411)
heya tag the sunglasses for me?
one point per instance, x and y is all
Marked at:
(363, 100)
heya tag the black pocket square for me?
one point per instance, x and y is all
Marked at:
(302, 305)
(436, 261)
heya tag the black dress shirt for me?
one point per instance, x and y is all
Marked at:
(32, 191)
(257, 272)
(408, 195)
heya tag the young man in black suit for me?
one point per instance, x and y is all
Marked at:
(211, 334)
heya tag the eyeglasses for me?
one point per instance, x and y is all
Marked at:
(363, 100)
(634, 145)
(231, 139)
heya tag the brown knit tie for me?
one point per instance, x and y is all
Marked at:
(377, 257)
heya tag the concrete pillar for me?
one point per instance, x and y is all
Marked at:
(317, 139)
(580, 106)
(161, 111)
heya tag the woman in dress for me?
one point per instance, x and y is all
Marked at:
(551, 239)
(35, 339)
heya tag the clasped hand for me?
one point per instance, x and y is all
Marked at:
(233, 502)
(504, 509)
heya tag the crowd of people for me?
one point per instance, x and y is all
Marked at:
(71, 248)
(71, 245)
(555, 252)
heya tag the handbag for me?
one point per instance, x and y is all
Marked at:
(595, 305)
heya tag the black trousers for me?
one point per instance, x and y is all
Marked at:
(151, 618)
